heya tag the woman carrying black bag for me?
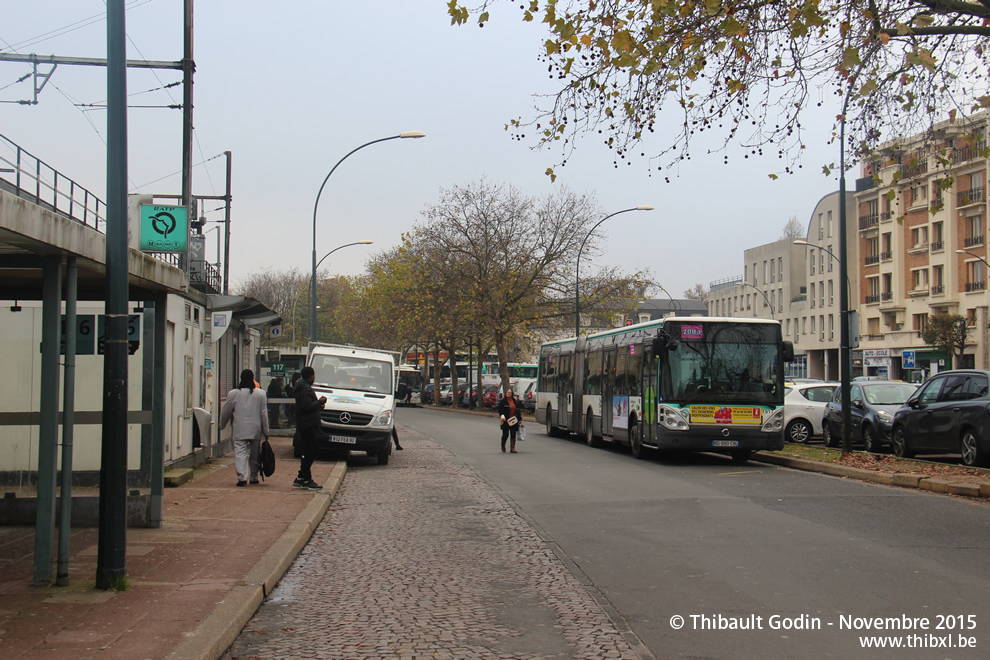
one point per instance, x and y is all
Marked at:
(509, 413)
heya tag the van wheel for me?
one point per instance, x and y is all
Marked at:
(589, 430)
(384, 454)
(969, 449)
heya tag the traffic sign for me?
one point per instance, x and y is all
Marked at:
(908, 360)
(278, 367)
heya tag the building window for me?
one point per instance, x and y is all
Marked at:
(919, 279)
(812, 297)
(821, 326)
(821, 227)
(811, 253)
(830, 224)
(974, 231)
(780, 268)
(919, 322)
(821, 292)
(812, 325)
(831, 300)
(831, 327)
(919, 237)
(975, 276)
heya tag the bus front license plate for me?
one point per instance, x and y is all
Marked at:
(725, 443)
(343, 439)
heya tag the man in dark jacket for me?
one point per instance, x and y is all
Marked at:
(308, 409)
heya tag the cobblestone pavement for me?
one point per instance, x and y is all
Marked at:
(424, 559)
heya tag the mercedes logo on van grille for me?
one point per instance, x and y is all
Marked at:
(345, 418)
(725, 432)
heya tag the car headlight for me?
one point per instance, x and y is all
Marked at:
(884, 417)
(383, 418)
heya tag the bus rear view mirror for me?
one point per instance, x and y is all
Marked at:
(788, 350)
(662, 343)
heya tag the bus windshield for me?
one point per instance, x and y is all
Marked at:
(723, 363)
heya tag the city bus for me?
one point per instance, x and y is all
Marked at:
(490, 372)
(687, 384)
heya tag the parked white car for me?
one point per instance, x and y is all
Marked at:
(804, 409)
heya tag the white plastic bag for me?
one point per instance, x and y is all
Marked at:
(521, 433)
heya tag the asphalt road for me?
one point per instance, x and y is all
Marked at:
(728, 547)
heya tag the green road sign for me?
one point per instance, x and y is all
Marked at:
(164, 228)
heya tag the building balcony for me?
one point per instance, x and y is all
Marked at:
(922, 291)
(938, 289)
(886, 256)
(872, 299)
(971, 196)
(936, 246)
(875, 336)
(868, 221)
(973, 241)
(887, 296)
(872, 260)
(975, 286)
(886, 216)
(968, 152)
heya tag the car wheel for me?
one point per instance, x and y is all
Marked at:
(384, 454)
(798, 431)
(871, 443)
(636, 440)
(969, 448)
(899, 444)
(828, 437)
(551, 431)
(740, 455)
(589, 431)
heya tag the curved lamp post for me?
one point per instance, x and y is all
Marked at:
(674, 305)
(762, 293)
(313, 332)
(577, 269)
(312, 311)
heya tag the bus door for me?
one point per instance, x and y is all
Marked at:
(650, 366)
(566, 390)
(608, 386)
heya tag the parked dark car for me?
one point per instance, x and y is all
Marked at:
(426, 394)
(872, 407)
(950, 413)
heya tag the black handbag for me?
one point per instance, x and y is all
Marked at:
(266, 459)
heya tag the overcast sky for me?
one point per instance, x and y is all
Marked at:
(290, 88)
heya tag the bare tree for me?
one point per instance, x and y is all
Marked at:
(793, 229)
(697, 292)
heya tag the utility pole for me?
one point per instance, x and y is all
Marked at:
(188, 67)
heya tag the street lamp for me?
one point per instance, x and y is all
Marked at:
(577, 269)
(675, 307)
(312, 316)
(762, 293)
(312, 334)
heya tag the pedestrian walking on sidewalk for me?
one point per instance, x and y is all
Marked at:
(248, 407)
(308, 409)
(509, 413)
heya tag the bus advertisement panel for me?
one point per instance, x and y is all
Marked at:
(691, 384)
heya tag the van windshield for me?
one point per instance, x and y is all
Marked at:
(350, 373)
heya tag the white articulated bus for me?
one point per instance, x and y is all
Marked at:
(692, 384)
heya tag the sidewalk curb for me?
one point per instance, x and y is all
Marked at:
(219, 630)
(900, 479)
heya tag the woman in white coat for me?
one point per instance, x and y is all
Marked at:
(248, 407)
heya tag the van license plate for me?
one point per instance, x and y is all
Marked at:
(343, 439)
(725, 443)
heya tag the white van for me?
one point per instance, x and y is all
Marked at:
(359, 384)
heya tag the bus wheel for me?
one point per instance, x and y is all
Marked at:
(740, 455)
(636, 440)
(551, 431)
(589, 431)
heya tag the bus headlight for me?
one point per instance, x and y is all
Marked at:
(775, 422)
(673, 419)
(383, 418)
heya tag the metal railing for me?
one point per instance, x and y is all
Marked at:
(975, 286)
(871, 259)
(938, 289)
(870, 299)
(40, 183)
(867, 221)
(971, 196)
(935, 246)
(971, 241)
